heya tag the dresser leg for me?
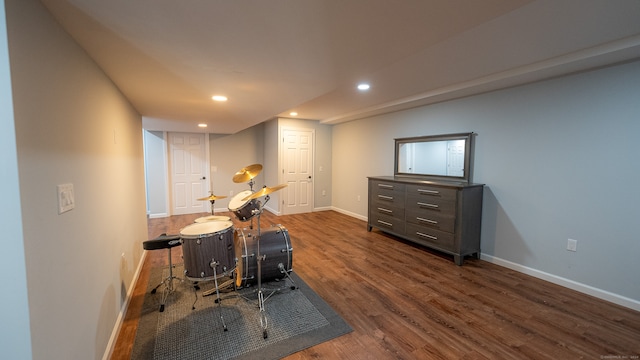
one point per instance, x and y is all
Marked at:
(369, 227)
(458, 259)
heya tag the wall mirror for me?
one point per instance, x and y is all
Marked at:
(436, 157)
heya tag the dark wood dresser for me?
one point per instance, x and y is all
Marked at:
(442, 215)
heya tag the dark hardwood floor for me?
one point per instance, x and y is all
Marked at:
(406, 302)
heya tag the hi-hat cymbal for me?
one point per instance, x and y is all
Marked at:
(264, 191)
(247, 173)
(213, 197)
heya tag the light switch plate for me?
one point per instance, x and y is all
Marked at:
(66, 198)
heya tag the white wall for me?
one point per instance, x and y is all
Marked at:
(15, 339)
(73, 126)
(321, 161)
(229, 154)
(559, 160)
(156, 173)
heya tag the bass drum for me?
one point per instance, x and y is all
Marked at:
(275, 247)
(207, 250)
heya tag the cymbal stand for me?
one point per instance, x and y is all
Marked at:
(212, 202)
(218, 300)
(260, 258)
(263, 315)
(251, 188)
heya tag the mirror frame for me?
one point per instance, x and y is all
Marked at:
(468, 156)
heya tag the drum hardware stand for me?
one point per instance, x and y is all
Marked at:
(168, 281)
(209, 292)
(260, 258)
(212, 198)
(212, 207)
(251, 188)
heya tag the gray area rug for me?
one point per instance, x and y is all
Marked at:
(296, 319)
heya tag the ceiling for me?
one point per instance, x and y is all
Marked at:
(271, 57)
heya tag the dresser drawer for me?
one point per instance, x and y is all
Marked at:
(434, 219)
(387, 193)
(431, 192)
(429, 204)
(387, 223)
(387, 209)
(430, 237)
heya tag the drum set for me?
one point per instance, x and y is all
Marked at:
(214, 250)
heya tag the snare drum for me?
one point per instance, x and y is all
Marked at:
(206, 247)
(275, 247)
(244, 210)
(212, 218)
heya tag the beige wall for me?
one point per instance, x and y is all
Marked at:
(73, 126)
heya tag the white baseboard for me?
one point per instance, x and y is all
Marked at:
(349, 213)
(269, 209)
(159, 215)
(123, 311)
(583, 288)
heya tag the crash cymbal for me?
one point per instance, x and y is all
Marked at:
(213, 197)
(264, 191)
(247, 173)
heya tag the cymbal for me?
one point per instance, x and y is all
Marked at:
(247, 173)
(213, 197)
(264, 191)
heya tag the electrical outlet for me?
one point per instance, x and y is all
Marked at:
(66, 198)
(230, 192)
(358, 197)
(324, 193)
(572, 245)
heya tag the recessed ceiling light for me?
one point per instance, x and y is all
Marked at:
(293, 113)
(219, 98)
(202, 125)
(363, 86)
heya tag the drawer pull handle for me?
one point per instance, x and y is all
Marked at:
(385, 210)
(427, 236)
(430, 192)
(385, 186)
(426, 220)
(385, 197)
(385, 223)
(432, 206)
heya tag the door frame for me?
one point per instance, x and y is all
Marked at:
(207, 165)
(281, 162)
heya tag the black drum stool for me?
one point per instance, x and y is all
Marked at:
(164, 241)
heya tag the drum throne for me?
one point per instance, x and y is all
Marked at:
(164, 241)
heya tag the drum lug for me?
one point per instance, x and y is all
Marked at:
(199, 241)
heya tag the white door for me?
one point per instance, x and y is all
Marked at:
(187, 154)
(455, 158)
(297, 169)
